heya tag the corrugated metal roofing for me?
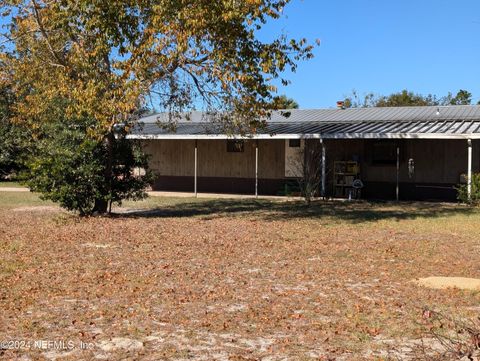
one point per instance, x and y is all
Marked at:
(400, 122)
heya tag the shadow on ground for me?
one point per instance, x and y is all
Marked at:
(355, 212)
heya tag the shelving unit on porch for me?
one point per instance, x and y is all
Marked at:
(344, 173)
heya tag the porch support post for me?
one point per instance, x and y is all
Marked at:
(469, 172)
(196, 169)
(256, 169)
(397, 189)
(322, 191)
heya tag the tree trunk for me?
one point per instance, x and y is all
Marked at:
(101, 206)
(109, 140)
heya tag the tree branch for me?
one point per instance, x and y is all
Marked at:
(38, 20)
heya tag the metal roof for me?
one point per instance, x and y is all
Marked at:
(435, 122)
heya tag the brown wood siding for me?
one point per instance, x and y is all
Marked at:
(438, 165)
(271, 159)
(171, 157)
(176, 158)
(436, 161)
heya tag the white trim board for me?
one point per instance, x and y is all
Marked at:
(307, 136)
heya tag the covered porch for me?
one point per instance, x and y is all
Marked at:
(402, 169)
(405, 169)
(410, 153)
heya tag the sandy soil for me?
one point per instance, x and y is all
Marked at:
(462, 283)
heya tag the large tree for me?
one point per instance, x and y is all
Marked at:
(102, 60)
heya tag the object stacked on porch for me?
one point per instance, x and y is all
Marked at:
(345, 172)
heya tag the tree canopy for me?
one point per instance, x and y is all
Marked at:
(406, 98)
(104, 58)
(463, 97)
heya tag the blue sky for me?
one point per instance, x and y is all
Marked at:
(382, 46)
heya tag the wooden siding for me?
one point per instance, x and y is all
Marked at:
(436, 161)
(438, 166)
(171, 157)
(176, 158)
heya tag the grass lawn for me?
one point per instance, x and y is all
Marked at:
(204, 279)
(11, 184)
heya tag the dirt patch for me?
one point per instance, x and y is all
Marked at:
(57, 355)
(462, 283)
(120, 343)
(97, 245)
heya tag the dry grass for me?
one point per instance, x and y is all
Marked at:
(10, 184)
(230, 280)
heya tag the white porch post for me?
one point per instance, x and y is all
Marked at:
(196, 169)
(323, 168)
(256, 169)
(469, 172)
(397, 189)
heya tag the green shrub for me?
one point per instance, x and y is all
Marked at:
(462, 189)
(81, 173)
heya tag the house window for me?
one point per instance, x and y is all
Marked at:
(384, 153)
(294, 143)
(235, 146)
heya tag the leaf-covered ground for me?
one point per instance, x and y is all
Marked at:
(189, 279)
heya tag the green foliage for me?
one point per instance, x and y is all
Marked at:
(74, 170)
(463, 97)
(13, 148)
(13, 138)
(475, 194)
(284, 102)
(406, 98)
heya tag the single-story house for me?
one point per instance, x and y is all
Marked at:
(417, 153)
